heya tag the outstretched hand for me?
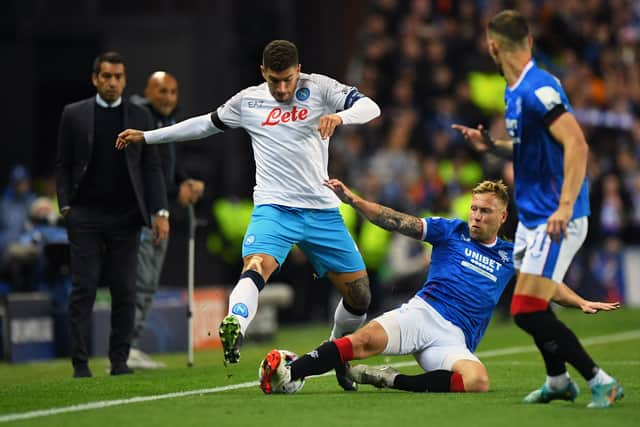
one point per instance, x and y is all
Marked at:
(129, 136)
(341, 190)
(474, 136)
(592, 307)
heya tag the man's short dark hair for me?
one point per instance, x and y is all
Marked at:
(509, 24)
(279, 55)
(111, 57)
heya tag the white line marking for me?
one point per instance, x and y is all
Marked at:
(623, 336)
(600, 363)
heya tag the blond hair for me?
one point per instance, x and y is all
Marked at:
(497, 187)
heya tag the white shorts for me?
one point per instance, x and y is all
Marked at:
(417, 328)
(535, 253)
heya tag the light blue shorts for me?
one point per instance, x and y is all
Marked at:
(319, 233)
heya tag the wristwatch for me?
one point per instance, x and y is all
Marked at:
(163, 213)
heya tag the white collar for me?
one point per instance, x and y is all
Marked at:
(104, 104)
(524, 72)
(490, 245)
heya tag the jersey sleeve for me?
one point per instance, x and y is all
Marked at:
(547, 101)
(438, 229)
(338, 96)
(230, 113)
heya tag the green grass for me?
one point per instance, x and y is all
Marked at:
(38, 386)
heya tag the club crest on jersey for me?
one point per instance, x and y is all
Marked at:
(503, 256)
(302, 94)
(277, 116)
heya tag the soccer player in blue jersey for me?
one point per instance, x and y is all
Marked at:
(550, 156)
(444, 322)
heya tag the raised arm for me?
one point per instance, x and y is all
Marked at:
(188, 130)
(566, 296)
(381, 216)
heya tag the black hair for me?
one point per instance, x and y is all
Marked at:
(509, 24)
(279, 55)
(111, 57)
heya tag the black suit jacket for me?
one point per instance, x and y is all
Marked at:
(75, 144)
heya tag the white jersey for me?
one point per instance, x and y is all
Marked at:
(291, 158)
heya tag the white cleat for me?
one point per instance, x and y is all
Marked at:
(378, 377)
(138, 359)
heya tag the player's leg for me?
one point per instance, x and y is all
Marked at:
(351, 311)
(366, 342)
(543, 266)
(438, 346)
(266, 244)
(332, 251)
(243, 303)
(465, 375)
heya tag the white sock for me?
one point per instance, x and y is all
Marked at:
(557, 382)
(601, 378)
(243, 302)
(345, 322)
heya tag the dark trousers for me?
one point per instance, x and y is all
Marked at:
(102, 258)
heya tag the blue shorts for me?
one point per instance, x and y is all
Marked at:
(319, 233)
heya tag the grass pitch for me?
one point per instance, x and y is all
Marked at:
(211, 394)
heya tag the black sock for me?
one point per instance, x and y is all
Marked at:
(434, 382)
(321, 360)
(557, 343)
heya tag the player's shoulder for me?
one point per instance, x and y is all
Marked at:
(252, 91)
(320, 80)
(449, 223)
(539, 78)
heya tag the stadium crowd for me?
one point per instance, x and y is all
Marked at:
(425, 63)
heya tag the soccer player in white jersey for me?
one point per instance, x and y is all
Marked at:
(290, 118)
(550, 156)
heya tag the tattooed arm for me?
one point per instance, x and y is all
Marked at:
(381, 216)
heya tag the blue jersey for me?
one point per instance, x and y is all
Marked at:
(466, 277)
(531, 106)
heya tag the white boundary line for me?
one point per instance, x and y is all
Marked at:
(604, 339)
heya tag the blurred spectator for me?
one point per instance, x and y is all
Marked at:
(14, 207)
(44, 247)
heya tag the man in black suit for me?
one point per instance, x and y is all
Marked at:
(106, 196)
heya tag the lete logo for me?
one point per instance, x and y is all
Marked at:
(276, 116)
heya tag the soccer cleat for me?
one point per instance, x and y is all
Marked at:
(344, 380)
(231, 339)
(273, 373)
(378, 377)
(605, 395)
(545, 395)
(138, 359)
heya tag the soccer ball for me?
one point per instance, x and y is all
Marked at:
(273, 373)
